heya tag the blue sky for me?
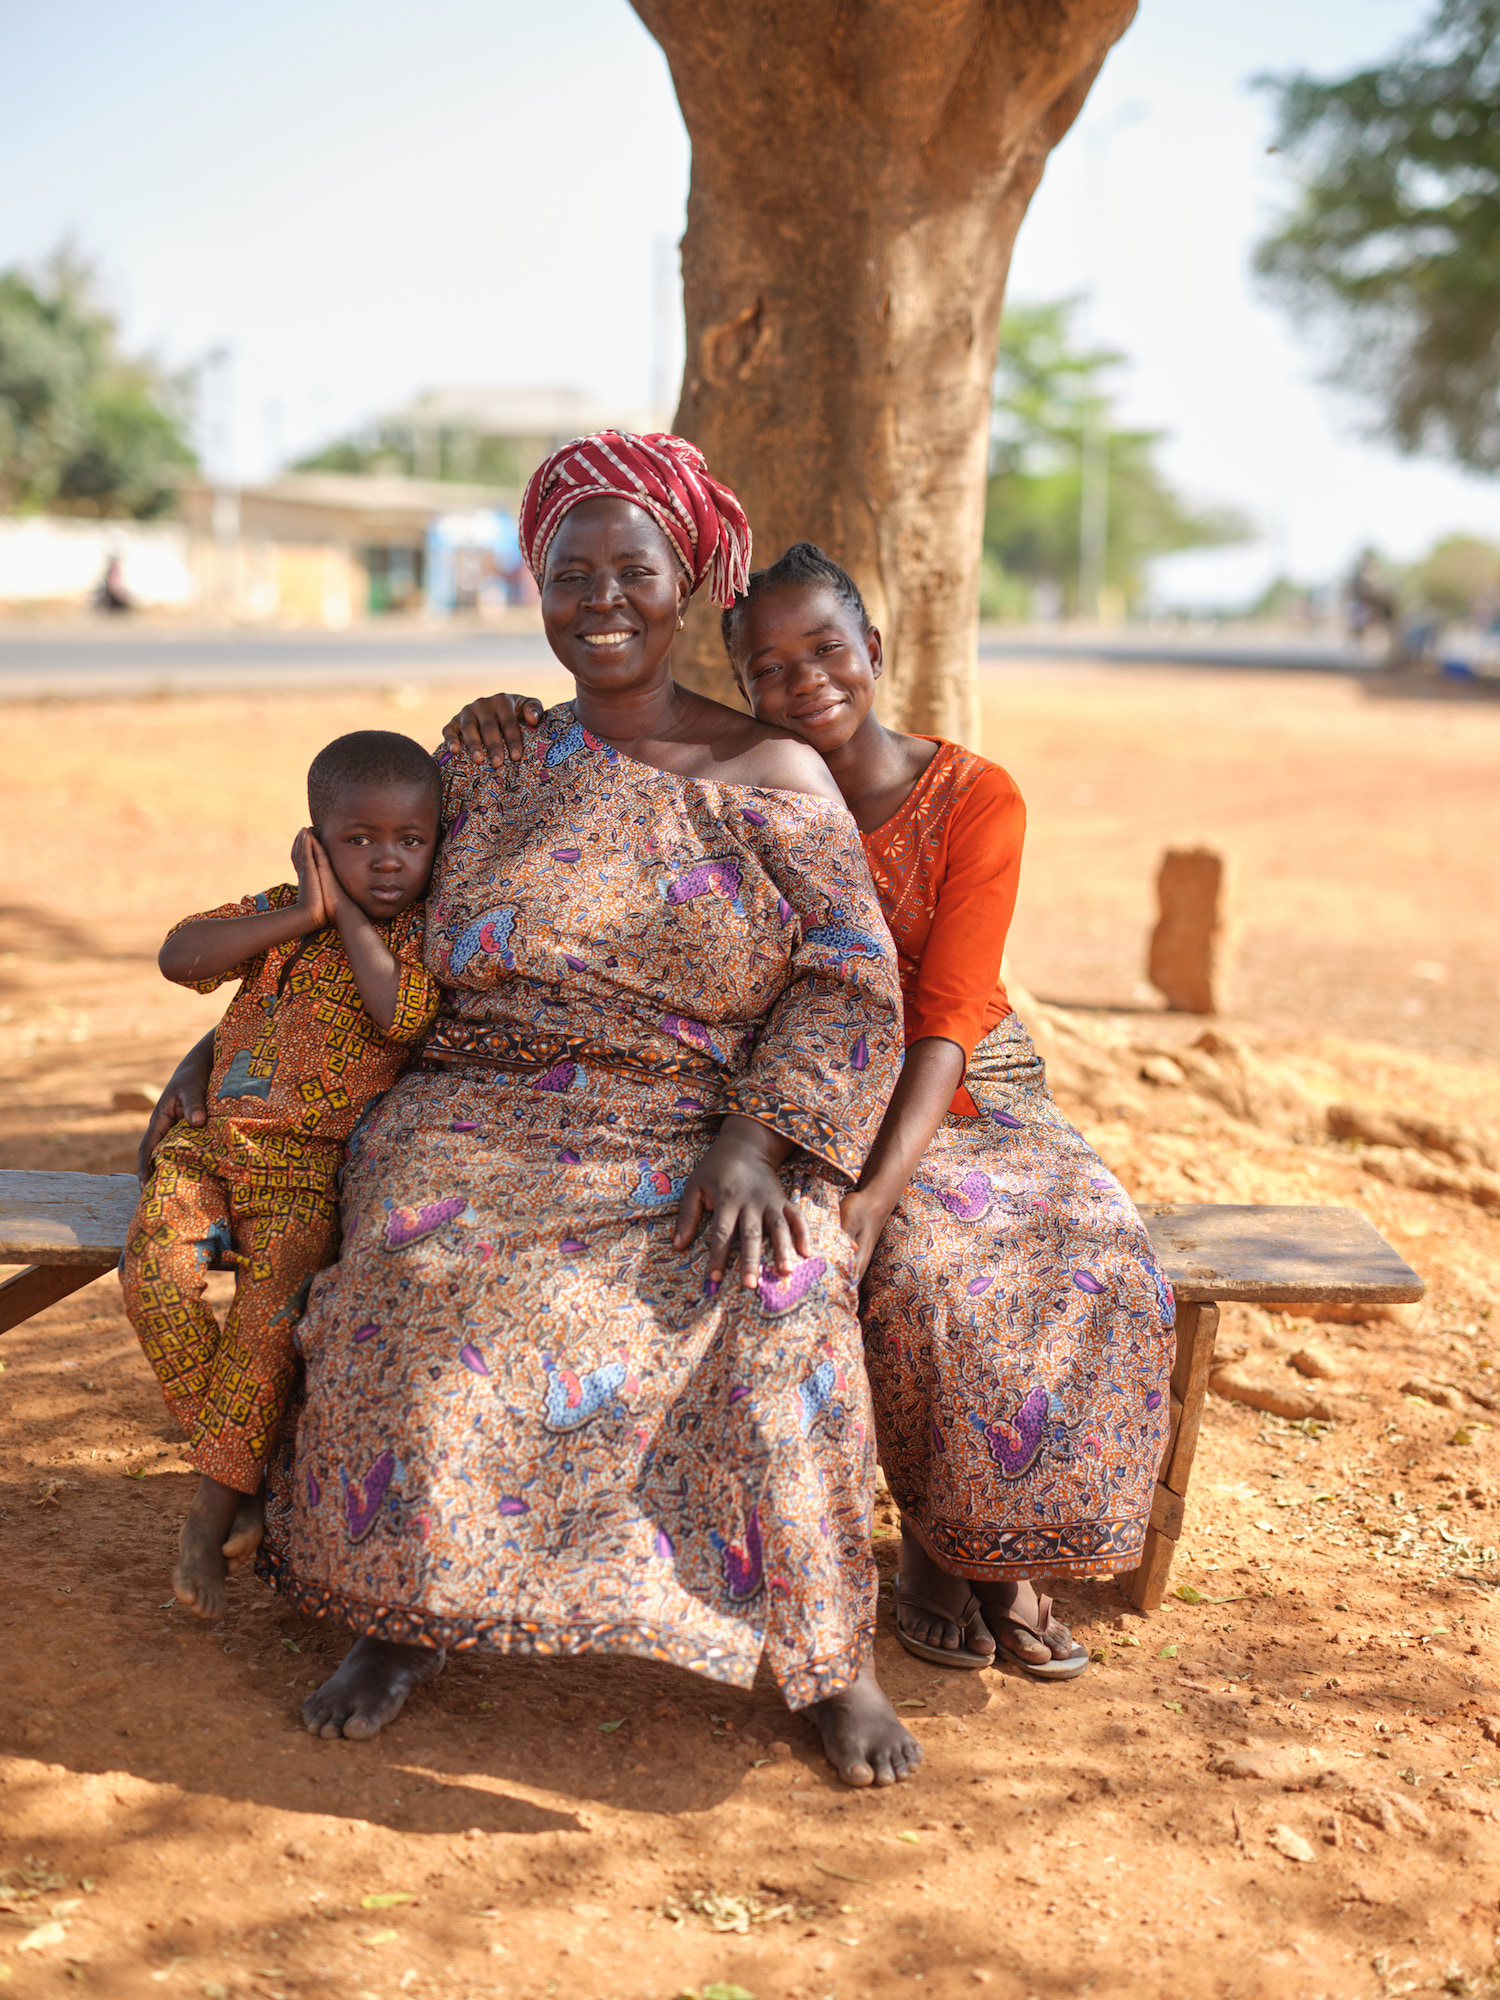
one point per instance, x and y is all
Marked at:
(360, 201)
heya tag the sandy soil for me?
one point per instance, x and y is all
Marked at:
(1282, 1788)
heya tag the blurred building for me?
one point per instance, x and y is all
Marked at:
(416, 513)
(328, 548)
(495, 435)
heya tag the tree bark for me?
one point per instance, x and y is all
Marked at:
(860, 169)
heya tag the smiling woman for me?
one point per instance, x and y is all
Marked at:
(547, 1409)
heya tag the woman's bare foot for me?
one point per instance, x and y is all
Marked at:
(370, 1688)
(1012, 1609)
(246, 1530)
(922, 1577)
(198, 1579)
(863, 1737)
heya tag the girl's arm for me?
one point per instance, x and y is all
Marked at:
(485, 729)
(955, 985)
(932, 1072)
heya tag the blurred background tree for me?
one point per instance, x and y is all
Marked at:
(461, 454)
(1459, 577)
(84, 428)
(1051, 404)
(1393, 244)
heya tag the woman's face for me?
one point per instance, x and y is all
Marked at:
(805, 665)
(612, 594)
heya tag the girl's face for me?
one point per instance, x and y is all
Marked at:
(612, 594)
(805, 665)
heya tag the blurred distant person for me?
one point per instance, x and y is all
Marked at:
(1369, 603)
(110, 593)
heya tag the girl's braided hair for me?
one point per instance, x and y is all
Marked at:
(804, 563)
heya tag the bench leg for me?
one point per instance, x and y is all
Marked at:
(31, 1291)
(1196, 1326)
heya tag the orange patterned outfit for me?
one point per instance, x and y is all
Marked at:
(1018, 1330)
(297, 1059)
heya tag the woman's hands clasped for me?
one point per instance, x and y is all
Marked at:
(736, 1186)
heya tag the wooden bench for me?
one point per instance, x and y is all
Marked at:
(69, 1229)
(1213, 1252)
(65, 1229)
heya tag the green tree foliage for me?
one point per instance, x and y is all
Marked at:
(1393, 244)
(84, 429)
(1050, 396)
(451, 453)
(1459, 577)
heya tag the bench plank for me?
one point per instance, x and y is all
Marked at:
(65, 1218)
(1276, 1256)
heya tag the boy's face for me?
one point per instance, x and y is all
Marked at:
(381, 840)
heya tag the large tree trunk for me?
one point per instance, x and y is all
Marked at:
(860, 169)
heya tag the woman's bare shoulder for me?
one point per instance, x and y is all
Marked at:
(747, 752)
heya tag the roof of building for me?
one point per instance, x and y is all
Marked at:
(517, 413)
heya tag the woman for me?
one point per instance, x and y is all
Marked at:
(1018, 1329)
(541, 1415)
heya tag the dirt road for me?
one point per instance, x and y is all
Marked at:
(1284, 1787)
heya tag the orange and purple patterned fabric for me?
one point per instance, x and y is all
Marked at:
(1019, 1331)
(529, 1424)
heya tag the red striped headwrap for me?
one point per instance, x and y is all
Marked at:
(664, 475)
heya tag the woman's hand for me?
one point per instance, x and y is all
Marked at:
(487, 729)
(736, 1183)
(863, 1216)
(183, 1102)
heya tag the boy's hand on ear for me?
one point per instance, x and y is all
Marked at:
(335, 896)
(311, 897)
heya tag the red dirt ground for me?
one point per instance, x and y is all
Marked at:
(167, 1828)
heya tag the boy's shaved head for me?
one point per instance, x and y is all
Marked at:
(378, 757)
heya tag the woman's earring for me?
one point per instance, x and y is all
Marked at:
(681, 621)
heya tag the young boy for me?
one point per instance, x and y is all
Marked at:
(334, 995)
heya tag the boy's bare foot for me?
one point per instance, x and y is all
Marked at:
(246, 1530)
(923, 1578)
(863, 1737)
(370, 1688)
(198, 1579)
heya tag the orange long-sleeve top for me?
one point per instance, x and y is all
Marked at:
(946, 867)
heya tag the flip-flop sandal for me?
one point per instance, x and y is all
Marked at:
(1066, 1669)
(942, 1656)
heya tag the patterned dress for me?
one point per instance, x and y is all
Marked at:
(1019, 1332)
(530, 1425)
(297, 1058)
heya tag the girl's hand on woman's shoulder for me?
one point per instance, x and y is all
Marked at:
(736, 1187)
(488, 730)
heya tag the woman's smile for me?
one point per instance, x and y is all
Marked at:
(606, 642)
